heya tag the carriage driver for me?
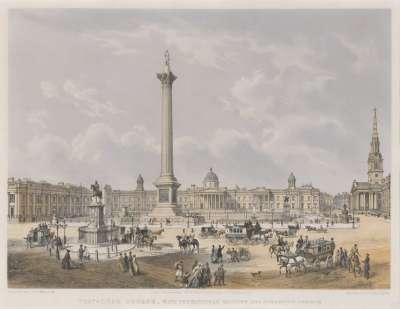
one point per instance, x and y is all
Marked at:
(306, 242)
(300, 242)
(333, 246)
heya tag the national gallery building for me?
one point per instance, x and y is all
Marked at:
(212, 201)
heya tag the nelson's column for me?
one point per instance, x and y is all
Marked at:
(167, 183)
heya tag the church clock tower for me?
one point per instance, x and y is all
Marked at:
(375, 160)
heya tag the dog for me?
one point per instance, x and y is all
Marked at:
(256, 275)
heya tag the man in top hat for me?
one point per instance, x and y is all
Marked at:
(366, 266)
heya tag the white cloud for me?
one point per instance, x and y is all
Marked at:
(365, 52)
(140, 136)
(38, 118)
(185, 145)
(49, 90)
(210, 49)
(117, 47)
(224, 140)
(85, 99)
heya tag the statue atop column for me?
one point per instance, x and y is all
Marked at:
(166, 56)
(97, 195)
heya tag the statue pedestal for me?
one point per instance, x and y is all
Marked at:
(97, 232)
(166, 208)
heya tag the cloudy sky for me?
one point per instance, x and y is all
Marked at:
(259, 94)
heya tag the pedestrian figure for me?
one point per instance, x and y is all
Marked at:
(121, 263)
(208, 274)
(126, 263)
(108, 252)
(219, 275)
(354, 251)
(366, 267)
(346, 259)
(50, 251)
(219, 254)
(66, 261)
(135, 265)
(80, 253)
(97, 255)
(179, 271)
(130, 264)
(356, 265)
(337, 258)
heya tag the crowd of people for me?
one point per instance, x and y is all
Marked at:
(216, 254)
(234, 255)
(352, 261)
(200, 275)
(128, 263)
(83, 254)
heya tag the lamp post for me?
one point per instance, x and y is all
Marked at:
(272, 218)
(57, 249)
(353, 217)
(112, 236)
(64, 227)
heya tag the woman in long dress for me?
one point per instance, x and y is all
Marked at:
(130, 264)
(194, 282)
(179, 271)
(135, 265)
(121, 263)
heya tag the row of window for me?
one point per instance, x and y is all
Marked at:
(39, 199)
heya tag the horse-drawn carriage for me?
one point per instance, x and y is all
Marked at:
(207, 231)
(144, 237)
(319, 229)
(292, 230)
(39, 236)
(317, 251)
(240, 233)
(308, 257)
(235, 233)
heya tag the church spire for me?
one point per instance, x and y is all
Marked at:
(375, 137)
(375, 126)
(375, 160)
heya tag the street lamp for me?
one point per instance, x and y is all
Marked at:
(64, 227)
(57, 249)
(353, 217)
(272, 217)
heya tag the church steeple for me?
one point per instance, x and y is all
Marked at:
(375, 160)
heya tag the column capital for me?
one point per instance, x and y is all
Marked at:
(166, 78)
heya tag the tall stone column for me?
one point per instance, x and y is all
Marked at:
(166, 184)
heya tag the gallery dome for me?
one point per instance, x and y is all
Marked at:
(211, 180)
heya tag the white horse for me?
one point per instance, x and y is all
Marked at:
(292, 263)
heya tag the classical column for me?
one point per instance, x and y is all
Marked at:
(371, 200)
(166, 184)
